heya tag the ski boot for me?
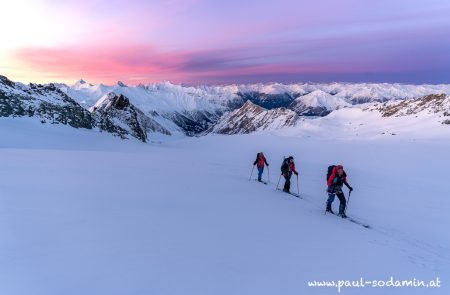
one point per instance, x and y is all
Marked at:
(342, 211)
(330, 210)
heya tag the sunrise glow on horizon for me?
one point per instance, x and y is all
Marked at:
(217, 42)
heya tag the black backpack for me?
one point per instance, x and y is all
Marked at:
(285, 166)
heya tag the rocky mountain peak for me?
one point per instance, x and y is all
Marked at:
(433, 103)
(251, 117)
(121, 84)
(6, 81)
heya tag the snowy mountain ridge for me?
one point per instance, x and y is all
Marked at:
(123, 113)
(251, 117)
(166, 96)
(318, 102)
(48, 104)
(168, 109)
(427, 105)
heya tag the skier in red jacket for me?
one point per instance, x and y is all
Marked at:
(259, 162)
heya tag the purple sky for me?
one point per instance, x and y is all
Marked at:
(213, 42)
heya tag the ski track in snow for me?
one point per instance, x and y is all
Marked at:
(87, 213)
(403, 240)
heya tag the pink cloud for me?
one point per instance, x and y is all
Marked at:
(145, 63)
(106, 64)
(136, 63)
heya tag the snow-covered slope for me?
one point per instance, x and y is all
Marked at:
(317, 103)
(250, 118)
(91, 215)
(370, 123)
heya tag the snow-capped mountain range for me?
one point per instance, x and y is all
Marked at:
(318, 102)
(168, 109)
(251, 117)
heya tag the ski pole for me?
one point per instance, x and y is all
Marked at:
(268, 174)
(298, 189)
(348, 201)
(251, 174)
(278, 182)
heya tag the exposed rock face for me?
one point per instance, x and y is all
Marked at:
(42, 101)
(5, 81)
(268, 101)
(432, 104)
(118, 109)
(250, 118)
(194, 122)
(50, 105)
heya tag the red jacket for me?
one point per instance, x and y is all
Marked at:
(260, 161)
(292, 168)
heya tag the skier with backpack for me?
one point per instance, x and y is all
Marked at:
(287, 168)
(259, 162)
(336, 178)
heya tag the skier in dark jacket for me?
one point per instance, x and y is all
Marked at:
(287, 168)
(259, 162)
(335, 181)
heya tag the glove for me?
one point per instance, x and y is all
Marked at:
(350, 188)
(296, 173)
(267, 165)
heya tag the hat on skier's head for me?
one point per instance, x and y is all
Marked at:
(340, 167)
(291, 158)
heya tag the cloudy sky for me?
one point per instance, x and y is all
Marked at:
(225, 41)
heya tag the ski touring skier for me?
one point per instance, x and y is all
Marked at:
(336, 178)
(287, 168)
(260, 162)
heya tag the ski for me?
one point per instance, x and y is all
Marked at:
(357, 222)
(291, 193)
(352, 220)
(262, 181)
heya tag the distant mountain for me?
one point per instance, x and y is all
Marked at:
(317, 103)
(119, 110)
(191, 110)
(187, 110)
(353, 93)
(45, 102)
(251, 117)
(164, 108)
(430, 105)
(268, 101)
(49, 104)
